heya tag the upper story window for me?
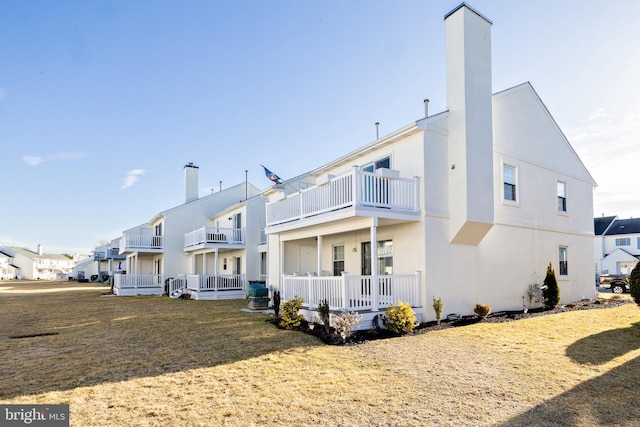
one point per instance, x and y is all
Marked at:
(562, 196)
(509, 178)
(563, 262)
(382, 163)
(624, 241)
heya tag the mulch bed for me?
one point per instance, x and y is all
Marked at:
(359, 337)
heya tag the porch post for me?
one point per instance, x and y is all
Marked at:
(374, 265)
(319, 256)
(204, 263)
(345, 290)
(356, 185)
(215, 265)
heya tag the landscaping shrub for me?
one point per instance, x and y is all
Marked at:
(323, 312)
(276, 303)
(634, 283)
(551, 291)
(344, 322)
(482, 310)
(291, 319)
(438, 306)
(400, 319)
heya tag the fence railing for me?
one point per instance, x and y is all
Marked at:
(353, 292)
(354, 188)
(214, 235)
(141, 241)
(138, 280)
(211, 282)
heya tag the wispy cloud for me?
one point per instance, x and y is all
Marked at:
(607, 143)
(36, 160)
(132, 177)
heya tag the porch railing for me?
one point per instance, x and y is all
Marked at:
(178, 283)
(214, 235)
(353, 293)
(141, 241)
(220, 282)
(353, 188)
(138, 280)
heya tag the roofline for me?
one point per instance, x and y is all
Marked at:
(463, 4)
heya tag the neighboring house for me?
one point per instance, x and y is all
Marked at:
(470, 205)
(7, 267)
(30, 265)
(617, 244)
(207, 245)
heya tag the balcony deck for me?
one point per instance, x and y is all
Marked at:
(211, 237)
(355, 193)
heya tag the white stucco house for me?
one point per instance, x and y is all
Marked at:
(37, 265)
(617, 244)
(208, 245)
(470, 204)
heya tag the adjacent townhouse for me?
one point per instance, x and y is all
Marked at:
(7, 267)
(101, 265)
(37, 265)
(208, 245)
(470, 205)
(617, 245)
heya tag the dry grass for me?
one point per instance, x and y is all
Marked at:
(153, 361)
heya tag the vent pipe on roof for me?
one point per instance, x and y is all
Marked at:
(426, 108)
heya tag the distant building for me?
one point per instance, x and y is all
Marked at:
(37, 265)
(617, 244)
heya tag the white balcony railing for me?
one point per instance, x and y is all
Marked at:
(206, 235)
(353, 293)
(136, 281)
(141, 241)
(352, 189)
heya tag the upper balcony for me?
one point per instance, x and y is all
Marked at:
(381, 194)
(112, 253)
(141, 240)
(212, 237)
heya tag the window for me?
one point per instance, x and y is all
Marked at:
(638, 243)
(562, 196)
(382, 163)
(562, 261)
(338, 260)
(509, 177)
(385, 257)
(624, 241)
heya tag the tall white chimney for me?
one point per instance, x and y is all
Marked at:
(470, 147)
(190, 182)
(40, 250)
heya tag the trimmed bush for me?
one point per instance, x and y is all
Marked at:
(634, 283)
(323, 312)
(400, 319)
(482, 310)
(438, 307)
(551, 291)
(291, 319)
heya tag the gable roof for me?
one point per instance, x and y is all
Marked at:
(600, 225)
(624, 226)
(34, 255)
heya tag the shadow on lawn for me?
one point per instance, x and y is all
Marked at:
(59, 342)
(610, 399)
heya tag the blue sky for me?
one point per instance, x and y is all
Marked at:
(102, 103)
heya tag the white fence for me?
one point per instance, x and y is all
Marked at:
(220, 282)
(355, 188)
(353, 293)
(138, 284)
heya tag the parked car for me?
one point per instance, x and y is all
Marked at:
(618, 283)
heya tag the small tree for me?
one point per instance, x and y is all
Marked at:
(551, 291)
(634, 282)
(323, 312)
(438, 307)
(291, 319)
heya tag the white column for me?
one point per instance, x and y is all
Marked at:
(215, 266)
(374, 265)
(319, 256)
(204, 263)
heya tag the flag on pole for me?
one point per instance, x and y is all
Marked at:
(272, 176)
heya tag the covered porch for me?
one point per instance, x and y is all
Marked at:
(138, 284)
